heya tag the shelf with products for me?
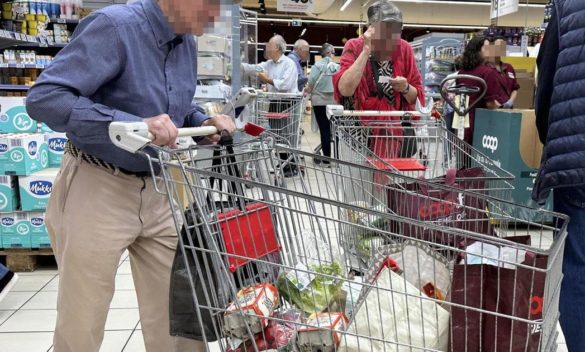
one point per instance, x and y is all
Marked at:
(435, 55)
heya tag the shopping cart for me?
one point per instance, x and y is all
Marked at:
(266, 269)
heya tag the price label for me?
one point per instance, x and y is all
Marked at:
(39, 65)
(3, 65)
(43, 44)
(61, 20)
(20, 65)
(5, 34)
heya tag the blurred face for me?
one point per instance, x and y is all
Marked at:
(386, 38)
(304, 53)
(193, 16)
(495, 50)
(272, 51)
(486, 50)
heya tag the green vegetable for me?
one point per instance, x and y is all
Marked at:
(321, 292)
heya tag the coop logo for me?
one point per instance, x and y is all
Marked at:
(37, 222)
(441, 209)
(57, 144)
(41, 188)
(3, 148)
(32, 148)
(7, 221)
(490, 143)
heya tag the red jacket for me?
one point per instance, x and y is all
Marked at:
(365, 96)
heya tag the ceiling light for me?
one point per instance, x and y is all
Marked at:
(303, 31)
(345, 5)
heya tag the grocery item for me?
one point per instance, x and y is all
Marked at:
(13, 116)
(8, 193)
(309, 291)
(253, 305)
(23, 154)
(322, 333)
(15, 230)
(56, 142)
(36, 189)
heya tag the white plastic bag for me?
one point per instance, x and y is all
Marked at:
(396, 312)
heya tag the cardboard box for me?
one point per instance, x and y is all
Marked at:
(209, 43)
(8, 194)
(56, 143)
(36, 189)
(39, 236)
(510, 138)
(23, 154)
(13, 116)
(15, 230)
(211, 66)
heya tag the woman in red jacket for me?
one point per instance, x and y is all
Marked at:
(378, 72)
(507, 85)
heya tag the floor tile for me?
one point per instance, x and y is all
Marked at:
(31, 282)
(124, 268)
(124, 282)
(52, 285)
(42, 300)
(136, 343)
(124, 299)
(115, 340)
(29, 342)
(4, 314)
(122, 319)
(15, 300)
(40, 272)
(30, 321)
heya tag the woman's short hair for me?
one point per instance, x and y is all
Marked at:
(327, 49)
(384, 11)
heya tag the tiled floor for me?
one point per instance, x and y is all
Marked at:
(28, 314)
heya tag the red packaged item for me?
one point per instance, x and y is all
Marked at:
(254, 305)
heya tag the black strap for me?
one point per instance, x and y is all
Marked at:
(236, 198)
(376, 72)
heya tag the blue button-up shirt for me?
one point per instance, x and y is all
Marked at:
(302, 78)
(124, 63)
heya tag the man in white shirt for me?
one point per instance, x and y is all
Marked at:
(279, 73)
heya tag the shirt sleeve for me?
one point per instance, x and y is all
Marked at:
(315, 73)
(414, 77)
(61, 95)
(516, 85)
(348, 57)
(195, 116)
(287, 79)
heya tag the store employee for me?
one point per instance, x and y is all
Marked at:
(125, 63)
(505, 83)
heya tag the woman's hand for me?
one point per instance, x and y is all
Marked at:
(399, 84)
(368, 39)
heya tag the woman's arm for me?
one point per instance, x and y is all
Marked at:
(351, 78)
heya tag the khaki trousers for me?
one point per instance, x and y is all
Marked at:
(92, 217)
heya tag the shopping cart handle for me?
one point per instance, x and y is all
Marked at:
(133, 136)
(334, 110)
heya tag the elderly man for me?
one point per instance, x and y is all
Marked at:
(278, 72)
(125, 63)
(300, 54)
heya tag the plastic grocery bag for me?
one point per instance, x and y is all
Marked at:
(394, 315)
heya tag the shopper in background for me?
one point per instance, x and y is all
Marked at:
(279, 72)
(560, 118)
(320, 88)
(507, 84)
(378, 71)
(126, 63)
(301, 53)
(7, 280)
(473, 63)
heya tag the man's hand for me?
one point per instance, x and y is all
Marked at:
(222, 123)
(368, 39)
(399, 84)
(263, 77)
(164, 130)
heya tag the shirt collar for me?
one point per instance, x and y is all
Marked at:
(279, 59)
(162, 29)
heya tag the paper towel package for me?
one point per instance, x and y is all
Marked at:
(35, 189)
(13, 116)
(39, 236)
(56, 142)
(23, 154)
(8, 194)
(15, 230)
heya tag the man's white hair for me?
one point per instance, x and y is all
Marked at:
(279, 41)
(300, 43)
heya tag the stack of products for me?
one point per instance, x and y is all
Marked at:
(24, 57)
(30, 157)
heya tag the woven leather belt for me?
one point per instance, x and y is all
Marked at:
(75, 152)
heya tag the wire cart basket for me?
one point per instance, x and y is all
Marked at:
(266, 269)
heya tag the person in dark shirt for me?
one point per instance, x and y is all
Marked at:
(506, 85)
(473, 64)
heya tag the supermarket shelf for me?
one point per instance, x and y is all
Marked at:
(63, 21)
(22, 66)
(8, 39)
(13, 87)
